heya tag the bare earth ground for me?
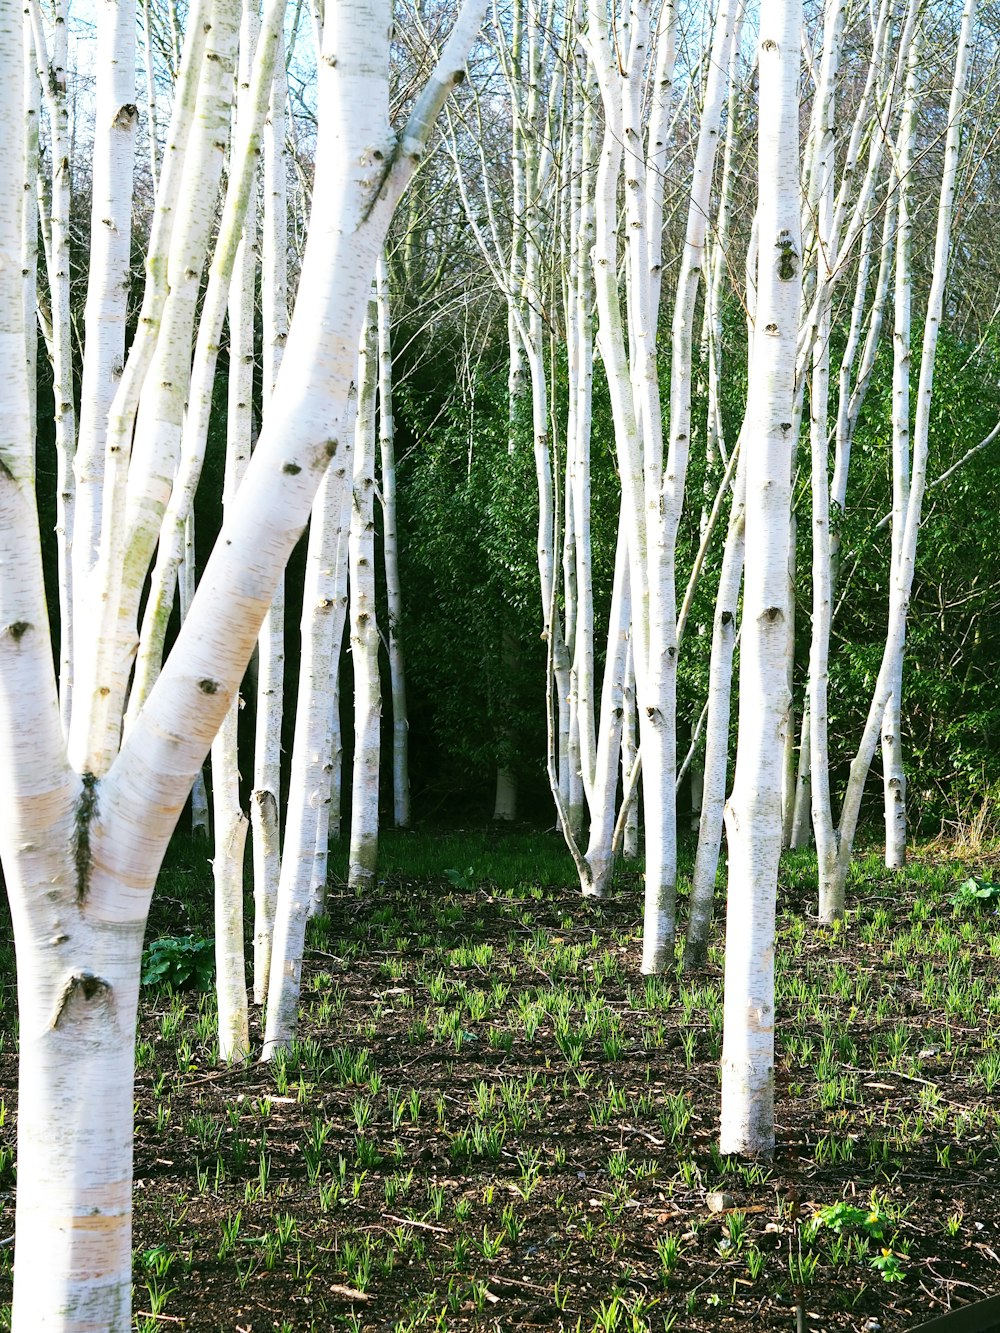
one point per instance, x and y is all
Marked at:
(492, 1122)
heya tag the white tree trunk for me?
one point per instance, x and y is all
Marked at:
(363, 852)
(138, 478)
(230, 821)
(505, 798)
(116, 117)
(52, 59)
(265, 802)
(29, 227)
(832, 901)
(604, 787)
(893, 773)
(630, 754)
(701, 902)
(753, 812)
(186, 581)
(236, 209)
(665, 496)
(397, 673)
(303, 863)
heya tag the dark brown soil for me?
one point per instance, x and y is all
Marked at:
(532, 1165)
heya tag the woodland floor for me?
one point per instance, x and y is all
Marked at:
(492, 1122)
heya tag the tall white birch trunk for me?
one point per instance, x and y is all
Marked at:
(363, 851)
(665, 496)
(652, 489)
(51, 55)
(151, 117)
(177, 525)
(822, 201)
(505, 797)
(701, 902)
(753, 812)
(893, 773)
(580, 335)
(265, 802)
(231, 823)
(604, 786)
(108, 279)
(230, 826)
(303, 863)
(397, 673)
(29, 226)
(138, 476)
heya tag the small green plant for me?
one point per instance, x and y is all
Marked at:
(889, 1266)
(180, 962)
(975, 893)
(841, 1216)
(756, 1261)
(466, 879)
(668, 1248)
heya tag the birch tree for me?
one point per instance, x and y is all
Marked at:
(653, 478)
(266, 797)
(753, 812)
(835, 843)
(86, 827)
(363, 852)
(393, 593)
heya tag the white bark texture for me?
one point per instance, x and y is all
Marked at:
(893, 773)
(116, 117)
(302, 879)
(51, 54)
(363, 851)
(753, 812)
(230, 821)
(394, 596)
(701, 901)
(265, 802)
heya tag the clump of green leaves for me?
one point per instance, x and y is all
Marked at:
(872, 1223)
(974, 893)
(467, 879)
(841, 1216)
(180, 962)
(889, 1266)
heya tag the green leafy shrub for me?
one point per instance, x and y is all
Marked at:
(975, 893)
(843, 1216)
(180, 962)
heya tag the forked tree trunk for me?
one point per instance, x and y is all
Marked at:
(81, 852)
(833, 890)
